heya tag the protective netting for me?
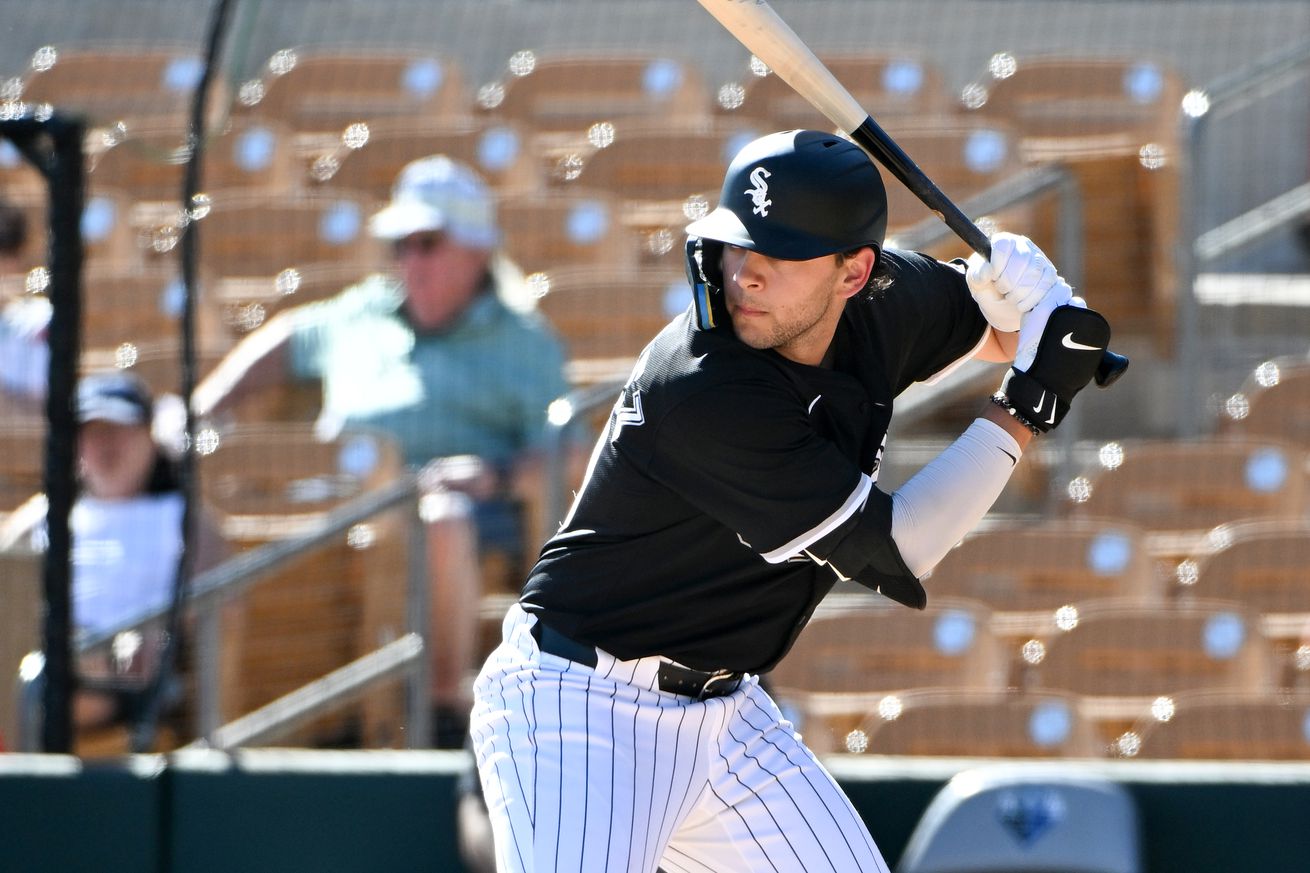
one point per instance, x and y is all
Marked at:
(1176, 136)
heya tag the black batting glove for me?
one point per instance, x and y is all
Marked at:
(1067, 356)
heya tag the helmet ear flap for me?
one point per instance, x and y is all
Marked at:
(704, 263)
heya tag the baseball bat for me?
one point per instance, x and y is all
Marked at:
(757, 27)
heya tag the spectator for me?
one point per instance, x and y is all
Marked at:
(24, 359)
(434, 354)
(126, 528)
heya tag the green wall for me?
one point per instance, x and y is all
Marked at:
(343, 812)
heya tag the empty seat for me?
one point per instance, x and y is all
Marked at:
(856, 649)
(247, 301)
(1229, 725)
(112, 81)
(327, 605)
(548, 231)
(1037, 818)
(369, 158)
(20, 631)
(1177, 490)
(1026, 570)
(22, 463)
(605, 319)
(108, 238)
(569, 93)
(321, 91)
(1120, 656)
(891, 87)
(972, 723)
(1113, 122)
(1273, 403)
(142, 306)
(150, 162)
(249, 234)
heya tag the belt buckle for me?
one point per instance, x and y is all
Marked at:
(718, 684)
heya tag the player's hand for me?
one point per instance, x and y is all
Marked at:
(1013, 281)
(1070, 346)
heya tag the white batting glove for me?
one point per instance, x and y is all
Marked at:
(1014, 280)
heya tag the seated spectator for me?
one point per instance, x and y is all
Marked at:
(437, 353)
(126, 529)
(24, 359)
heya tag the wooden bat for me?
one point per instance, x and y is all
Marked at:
(757, 27)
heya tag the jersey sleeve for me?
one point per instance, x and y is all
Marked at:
(927, 318)
(748, 457)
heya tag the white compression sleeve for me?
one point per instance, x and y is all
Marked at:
(944, 500)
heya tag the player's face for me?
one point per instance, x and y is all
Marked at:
(790, 306)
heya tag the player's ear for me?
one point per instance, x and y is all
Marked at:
(856, 268)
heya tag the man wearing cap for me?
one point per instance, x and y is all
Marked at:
(433, 354)
(620, 725)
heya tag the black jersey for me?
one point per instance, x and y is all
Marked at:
(727, 476)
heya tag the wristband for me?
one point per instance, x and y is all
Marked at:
(1004, 402)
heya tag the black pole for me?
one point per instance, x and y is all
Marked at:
(54, 146)
(157, 694)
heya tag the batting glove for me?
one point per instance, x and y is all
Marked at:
(1013, 281)
(1067, 353)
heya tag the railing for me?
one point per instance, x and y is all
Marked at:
(213, 587)
(1200, 109)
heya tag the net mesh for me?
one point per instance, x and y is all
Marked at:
(598, 131)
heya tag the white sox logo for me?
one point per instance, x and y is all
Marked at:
(760, 193)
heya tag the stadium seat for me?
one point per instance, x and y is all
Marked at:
(319, 92)
(857, 648)
(661, 178)
(1025, 570)
(369, 158)
(1112, 122)
(237, 235)
(1027, 818)
(1273, 403)
(111, 82)
(108, 238)
(891, 88)
(606, 319)
(143, 306)
(1177, 490)
(328, 605)
(22, 462)
(971, 723)
(1263, 565)
(1223, 725)
(1120, 655)
(577, 228)
(566, 94)
(246, 302)
(150, 162)
(20, 630)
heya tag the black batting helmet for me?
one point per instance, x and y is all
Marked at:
(797, 195)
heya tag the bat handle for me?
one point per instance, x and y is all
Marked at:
(1112, 364)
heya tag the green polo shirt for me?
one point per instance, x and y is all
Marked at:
(480, 386)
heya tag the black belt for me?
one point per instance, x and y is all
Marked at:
(672, 678)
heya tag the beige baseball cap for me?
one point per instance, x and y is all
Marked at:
(439, 194)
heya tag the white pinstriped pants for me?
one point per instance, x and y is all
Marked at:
(598, 770)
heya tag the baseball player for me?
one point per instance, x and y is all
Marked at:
(620, 725)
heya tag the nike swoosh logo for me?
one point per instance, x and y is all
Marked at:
(1051, 420)
(1069, 343)
(1038, 408)
(812, 404)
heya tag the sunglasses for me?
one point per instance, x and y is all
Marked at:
(418, 243)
